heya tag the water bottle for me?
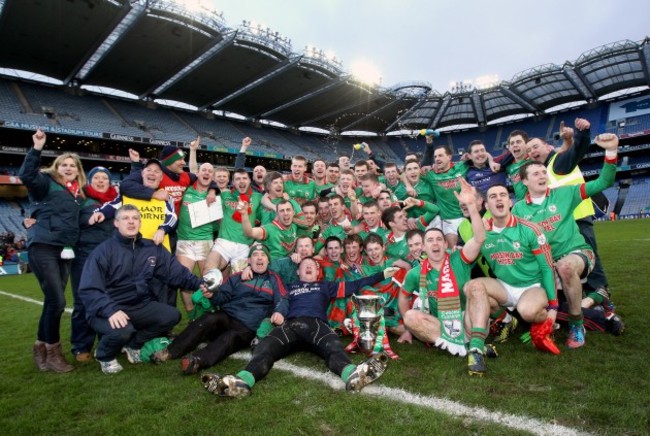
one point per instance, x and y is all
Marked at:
(430, 132)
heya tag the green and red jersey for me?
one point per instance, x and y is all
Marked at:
(230, 228)
(267, 216)
(185, 231)
(519, 255)
(513, 174)
(554, 214)
(461, 267)
(305, 189)
(444, 184)
(280, 240)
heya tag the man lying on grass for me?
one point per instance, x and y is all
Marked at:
(306, 327)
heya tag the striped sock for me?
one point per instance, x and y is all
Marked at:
(477, 339)
(576, 320)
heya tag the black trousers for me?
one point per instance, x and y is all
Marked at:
(224, 334)
(299, 334)
(147, 321)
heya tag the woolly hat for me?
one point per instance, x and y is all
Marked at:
(259, 247)
(96, 170)
(153, 162)
(170, 154)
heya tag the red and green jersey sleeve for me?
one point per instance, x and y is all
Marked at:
(332, 230)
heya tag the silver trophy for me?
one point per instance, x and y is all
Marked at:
(369, 314)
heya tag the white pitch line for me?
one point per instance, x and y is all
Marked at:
(442, 405)
(29, 300)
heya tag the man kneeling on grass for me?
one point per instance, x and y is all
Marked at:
(243, 304)
(305, 328)
(119, 285)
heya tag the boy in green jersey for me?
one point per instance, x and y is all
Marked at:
(444, 180)
(419, 187)
(194, 243)
(517, 252)
(274, 187)
(338, 225)
(439, 281)
(371, 222)
(232, 246)
(517, 146)
(300, 187)
(280, 234)
(552, 209)
(396, 221)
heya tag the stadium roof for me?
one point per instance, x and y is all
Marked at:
(156, 49)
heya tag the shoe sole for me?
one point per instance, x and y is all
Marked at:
(375, 368)
(211, 382)
(477, 373)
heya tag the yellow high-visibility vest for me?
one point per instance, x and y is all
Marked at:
(152, 216)
(575, 177)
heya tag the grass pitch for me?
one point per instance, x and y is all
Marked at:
(602, 388)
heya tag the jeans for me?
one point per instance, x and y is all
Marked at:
(52, 273)
(147, 321)
(82, 336)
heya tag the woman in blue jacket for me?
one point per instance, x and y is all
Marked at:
(56, 196)
(97, 192)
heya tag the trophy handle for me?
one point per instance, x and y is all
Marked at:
(383, 301)
(355, 301)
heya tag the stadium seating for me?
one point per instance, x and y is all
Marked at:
(11, 218)
(638, 198)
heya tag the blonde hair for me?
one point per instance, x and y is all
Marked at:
(52, 170)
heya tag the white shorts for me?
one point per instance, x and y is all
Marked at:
(514, 293)
(232, 252)
(194, 250)
(451, 226)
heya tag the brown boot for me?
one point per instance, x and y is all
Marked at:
(55, 360)
(39, 354)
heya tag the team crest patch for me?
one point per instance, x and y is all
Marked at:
(541, 239)
(452, 328)
(516, 245)
(552, 208)
(151, 260)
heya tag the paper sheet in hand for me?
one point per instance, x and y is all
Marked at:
(201, 213)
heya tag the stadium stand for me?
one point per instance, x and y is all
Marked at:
(638, 198)
(11, 218)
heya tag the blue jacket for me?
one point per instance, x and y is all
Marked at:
(312, 299)
(123, 272)
(91, 236)
(55, 209)
(253, 300)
